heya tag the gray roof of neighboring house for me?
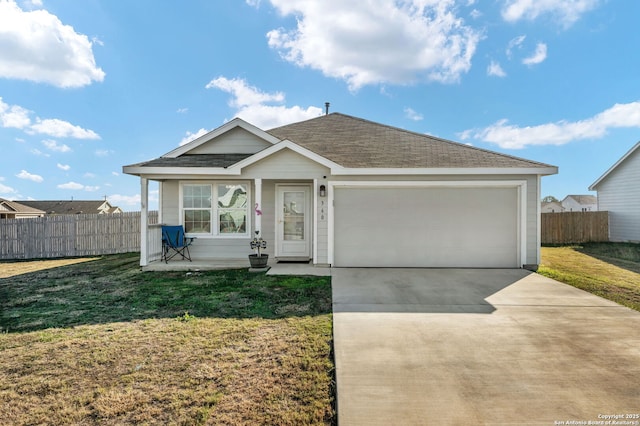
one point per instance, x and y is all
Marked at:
(15, 207)
(357, 143)
(67, 206)
(583, 199)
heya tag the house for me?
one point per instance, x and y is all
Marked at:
(343, 191)
(551, 207)
(619, 194)
(580, 203)
(58, 207)
(14, 210)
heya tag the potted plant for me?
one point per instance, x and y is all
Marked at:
(258, 260)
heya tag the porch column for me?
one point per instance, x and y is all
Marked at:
(144, 219)
(258, 206)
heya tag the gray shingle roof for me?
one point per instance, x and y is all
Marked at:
(66, 206)
(357, 143)
(196, 160)
(584, 199)
(15, 207)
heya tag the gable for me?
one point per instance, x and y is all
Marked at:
(285, 164)
(235, 141)
(625, 169)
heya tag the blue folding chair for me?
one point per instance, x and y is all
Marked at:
(175, 243)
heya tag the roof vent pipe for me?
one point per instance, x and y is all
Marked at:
(326, 108)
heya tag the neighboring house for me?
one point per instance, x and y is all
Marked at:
(57, 207)
(551, 207)
(14, 210)
(347, 192)
(580, 203)
(619, 194)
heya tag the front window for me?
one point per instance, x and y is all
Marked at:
(215, 209)
(196, 202)
(232, 209)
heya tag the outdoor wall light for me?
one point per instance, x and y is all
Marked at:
(323, 190)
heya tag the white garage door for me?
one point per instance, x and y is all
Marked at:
(426, 227)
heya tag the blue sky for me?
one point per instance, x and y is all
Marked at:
(87, 87)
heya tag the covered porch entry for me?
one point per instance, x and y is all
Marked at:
(283, 211)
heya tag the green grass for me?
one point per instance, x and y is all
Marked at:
(102, 343)
(113, 289)
(609, 270)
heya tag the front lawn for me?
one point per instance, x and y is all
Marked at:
(100, 342)
(609, 270)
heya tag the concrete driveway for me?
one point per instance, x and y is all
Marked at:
(472, 347)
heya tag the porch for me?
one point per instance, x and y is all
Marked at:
(275, 267)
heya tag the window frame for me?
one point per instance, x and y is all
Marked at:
(215, 209)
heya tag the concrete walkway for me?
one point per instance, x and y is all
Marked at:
(473, 347)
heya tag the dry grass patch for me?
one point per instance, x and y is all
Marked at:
(170, 371)
(11, 269)
(611, 271)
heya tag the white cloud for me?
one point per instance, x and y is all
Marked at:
(37, 152)
(475, 14)
(243, 94)
(91, 188)
(29, 176)
(538, 56)
(125, 200)
(413, 115)
(494, 69)
(37, 46)
(562, 132)
(61, 129)
(96, 40)
(32, 4)
(18, 117)
(103, 152)
(115, 173)
(182, 110)
(389, 41)
(250, 101)
(71, 185)
(64, 167)
(14, 116)
(193, 136)
(566, 11)
(54, 146)
(89, 175)
(5, 190)
(513, 43)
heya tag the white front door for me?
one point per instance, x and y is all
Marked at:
(293, 221)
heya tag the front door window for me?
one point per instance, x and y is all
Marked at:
(293, 209)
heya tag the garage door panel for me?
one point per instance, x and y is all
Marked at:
(425, 227)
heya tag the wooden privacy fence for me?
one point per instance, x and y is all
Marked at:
(71, 235)
(574, 227)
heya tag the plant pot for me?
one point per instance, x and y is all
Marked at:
(258, 262)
